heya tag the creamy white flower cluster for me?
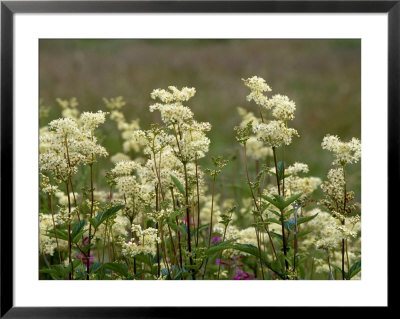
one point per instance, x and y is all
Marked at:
(274, 133)
(345, 152)
(68, 143)
(143, 242)
(188, 139)
(172, 110)
(255, 148)
(258, 86)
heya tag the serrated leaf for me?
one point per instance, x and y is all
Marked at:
(178, 185)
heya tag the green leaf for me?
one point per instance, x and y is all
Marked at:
(339, 270)
(277, 202)
(78, 230)
(291, 199)
(178, 185)
(95, 267)
(355, 269)
(273, 220)
(252, 250)
(61, 234)
(177, 228)
(279, 236)
(299, 235)
(103, 216)
(219, 246)
(202, 227)
(302, 220)
(280, 167)
(286, 214)
(118, 268)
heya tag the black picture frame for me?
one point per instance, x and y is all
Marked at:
(9, 8)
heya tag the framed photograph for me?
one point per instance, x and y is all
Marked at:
(158, 155)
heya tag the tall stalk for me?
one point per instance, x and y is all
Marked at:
(91, 215)
(212, 210)
(188, 219)
(158, 248)
(54, 226)
(282, 218)
(198, 202)
(70, 275)
(343, 222)
(178, 232)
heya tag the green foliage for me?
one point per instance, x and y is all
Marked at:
(103, 216)
(280, 202)
(178, 185)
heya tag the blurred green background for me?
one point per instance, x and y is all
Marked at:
(323, 77)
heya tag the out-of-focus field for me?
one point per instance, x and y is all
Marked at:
(323, 77)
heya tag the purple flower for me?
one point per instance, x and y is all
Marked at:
(216, 239)
(84, 258)
(242, 275)
(218, 261)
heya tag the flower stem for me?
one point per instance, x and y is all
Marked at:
(282, 218)
(255, 202)
(70, 275)
(91, 215)
(212, 209)
(343, 222)
(188, 219)
(54, 226)
(198, 202)
(178, 232)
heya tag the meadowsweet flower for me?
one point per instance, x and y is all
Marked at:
(145, 242)
(282, 107)
(258, 86)
(119, 157)
(275, 133)
(90, 121)
(345, 152)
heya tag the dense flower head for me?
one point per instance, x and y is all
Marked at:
(275, 133)
(257, 86)
(144, 242)
(173, 95)
(174, 113)
(345, 152)
(90, 121)
(282, 107)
